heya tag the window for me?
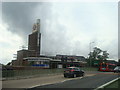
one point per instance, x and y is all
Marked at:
(111, 66)
(104, 65)
(77, 69)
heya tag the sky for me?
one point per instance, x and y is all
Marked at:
(66, 27)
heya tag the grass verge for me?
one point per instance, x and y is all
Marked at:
(114, 84)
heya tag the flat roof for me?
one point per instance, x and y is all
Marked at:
(37, 59)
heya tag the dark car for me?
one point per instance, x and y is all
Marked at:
(117, 69)
(73, 72)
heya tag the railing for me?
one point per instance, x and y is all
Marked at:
(31, 72)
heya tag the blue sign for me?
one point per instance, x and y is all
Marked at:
(41, 65)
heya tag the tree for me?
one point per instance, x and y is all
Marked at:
(100, 57)
(97, 54)
(105, 55)
(94, 55)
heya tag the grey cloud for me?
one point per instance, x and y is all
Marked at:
(119, 29)
(18, 16)
(21, 16)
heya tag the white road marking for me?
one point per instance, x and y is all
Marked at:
(102, 86)
(90, 75)
(55, 82)
(40, 85)
(63, 80)
(71, 79)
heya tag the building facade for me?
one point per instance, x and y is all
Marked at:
(32, 57)
(34, 40)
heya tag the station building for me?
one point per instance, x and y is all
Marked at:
(32, 57)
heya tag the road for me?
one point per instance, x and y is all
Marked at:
(93, 81)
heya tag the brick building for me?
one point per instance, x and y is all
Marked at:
(33, 46)
(32, 57)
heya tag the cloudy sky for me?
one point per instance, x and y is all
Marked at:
(66, 27)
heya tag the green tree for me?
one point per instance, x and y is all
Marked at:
(105, 55)
(93, 55)
(97, 54)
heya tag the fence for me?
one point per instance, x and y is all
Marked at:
(31, 72)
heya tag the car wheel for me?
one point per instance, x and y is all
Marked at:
(83, 74)
(74, 75)
(65, 76)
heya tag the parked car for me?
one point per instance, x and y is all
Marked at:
(117, 69)
(73, 72)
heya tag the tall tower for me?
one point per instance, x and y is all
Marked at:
(34, 40)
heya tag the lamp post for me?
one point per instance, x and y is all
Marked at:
(90, 51)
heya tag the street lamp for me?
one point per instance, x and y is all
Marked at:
(90, 51)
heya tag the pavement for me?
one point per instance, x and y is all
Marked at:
(31, 82)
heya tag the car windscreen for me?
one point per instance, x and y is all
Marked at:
(68, 69)
(116, 68)
(77, 69)
(72, 68)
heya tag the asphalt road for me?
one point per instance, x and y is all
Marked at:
(86, 82)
